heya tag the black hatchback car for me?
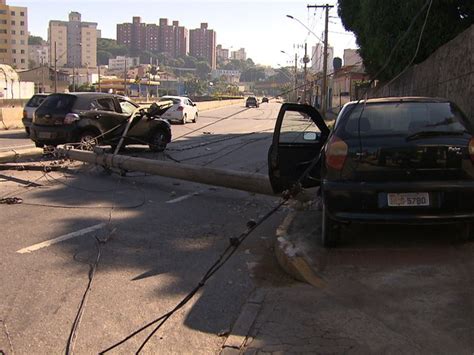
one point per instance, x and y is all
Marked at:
(82, 117)
(389, 160)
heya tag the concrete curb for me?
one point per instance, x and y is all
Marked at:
(291, 259)
(244, 323)
(13, 156)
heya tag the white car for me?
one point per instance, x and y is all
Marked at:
(182, 111)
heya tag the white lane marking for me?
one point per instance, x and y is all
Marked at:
(61, 238)
(185, 197)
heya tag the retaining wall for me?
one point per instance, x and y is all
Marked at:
(447, 73)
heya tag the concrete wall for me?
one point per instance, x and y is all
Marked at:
(10, 117)
(447, 73)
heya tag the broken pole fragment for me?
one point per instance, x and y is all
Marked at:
(239, 180)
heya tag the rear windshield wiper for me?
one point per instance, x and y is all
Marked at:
(425, 134)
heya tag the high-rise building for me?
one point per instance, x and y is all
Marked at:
(38, 54)
(202, 44)
(317, 58)
(352, 57)
(222, 53)
(239, 55)
(73, 43)
(164, 38)
(181, 40)
(13, 35)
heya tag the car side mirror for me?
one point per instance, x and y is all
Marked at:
(311, 136)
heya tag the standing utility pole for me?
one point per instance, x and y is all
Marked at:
(324, 89)
(125, 77)
(305, 61)
(55, 69)
(98, 73)
(296, 76)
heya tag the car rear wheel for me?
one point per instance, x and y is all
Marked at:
(157, 141)
(185, 118)
(39, 145)
(27, 130)
(195, 117)
(330, 230)
(88, 140)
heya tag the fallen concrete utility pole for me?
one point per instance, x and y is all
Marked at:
(251, 182)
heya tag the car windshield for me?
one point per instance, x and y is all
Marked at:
(405, 118)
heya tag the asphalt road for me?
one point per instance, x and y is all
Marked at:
(162, 235)
(14, 139)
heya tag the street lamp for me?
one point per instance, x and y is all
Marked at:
(296, 72)
(302, 24)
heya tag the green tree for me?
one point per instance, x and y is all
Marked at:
(103, 57)
(203, 69)
(378, 25)
(35, 40)
(111, 46)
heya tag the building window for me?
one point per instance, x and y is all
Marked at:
(13, 51)
(3, 22)
(13, 32)
(22, 23)
(3, 12)
(22, 51)
(22, 13)
(22, 32)
(23, 61)
(12, 13)
(3, 31)
(3, 50)
(22, 41)
(13, 41)
(13, 22)
(14, 60)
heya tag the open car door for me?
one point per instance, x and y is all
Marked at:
(299, 135)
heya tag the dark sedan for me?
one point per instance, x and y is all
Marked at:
(97, 118)
(390, 160)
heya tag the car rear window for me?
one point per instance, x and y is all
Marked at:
(58, 103)
(175, 101)
(35, 101)
(401, 118)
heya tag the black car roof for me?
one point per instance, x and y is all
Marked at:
(402, 99)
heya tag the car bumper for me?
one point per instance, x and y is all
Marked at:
(450, 201)
(54, 135)
(27, 122)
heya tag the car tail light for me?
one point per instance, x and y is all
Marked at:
(471, 149)
(336, 153)
(180, 108)
(71, 118)
(25, 115)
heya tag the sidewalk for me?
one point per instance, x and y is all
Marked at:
(362, 298)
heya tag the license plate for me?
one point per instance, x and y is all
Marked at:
(411, 199)
(45, 135)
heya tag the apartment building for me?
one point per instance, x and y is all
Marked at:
(202, 44)
(38, 54)
(73, 43)
(239, 55)
(13, 35)
(222, 53)
(317, 62)
(171, 39)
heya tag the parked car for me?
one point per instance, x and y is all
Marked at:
(388, 160)
(82, 117)
(182, 111)
(251, 101)
(264, 99)
(30, 109)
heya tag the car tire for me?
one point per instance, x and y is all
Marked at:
(195, 117)
(157, 141)
(330, 229)
(39, 145)
(88, 140)
(185, 119)
(27, 130)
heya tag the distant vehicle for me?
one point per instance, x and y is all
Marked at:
(98, 118)
(182, 111)
(264, 99)
(387, 160)
(30, 109)
(251, 101)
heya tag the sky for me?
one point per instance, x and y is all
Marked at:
(259, 26)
